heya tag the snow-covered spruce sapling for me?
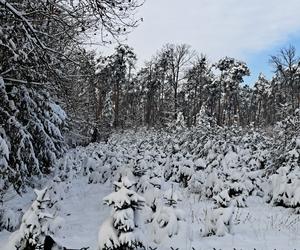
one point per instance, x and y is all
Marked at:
(119, 231)
(222, 199)
(204, 121)
(35, 224)
(4, 156)
(171, 171)
(196, 183)
(178, 124)
(286, 182)
(218, 220)
(237, 190)
(185, 172)
(9, 220)
(285, 188)
(213, 184)
(101, 175)
(56, 192)
(172, 197)
(140, 167)
(151, 180)
(165, 222)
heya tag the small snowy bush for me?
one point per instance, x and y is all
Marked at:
(9, 219)
(218, 221)
(35, 224)
(285, 188)
(165, 221)
(119, 231)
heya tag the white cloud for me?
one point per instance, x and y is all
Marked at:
(215, 27)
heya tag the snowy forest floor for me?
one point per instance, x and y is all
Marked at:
(257, 226)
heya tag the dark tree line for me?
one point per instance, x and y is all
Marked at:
(178, 80)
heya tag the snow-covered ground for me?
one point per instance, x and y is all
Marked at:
(259, 225)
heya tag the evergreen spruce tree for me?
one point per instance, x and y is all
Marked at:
(165, 221)
(120, 232)
(218, 220)
(107, 117)
(31, 124)
(35, 224)
(4, 157)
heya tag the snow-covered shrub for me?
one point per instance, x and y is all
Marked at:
(185, 172)
(200, 164)
(203, 120)
(123, 172)
(152, 201)
(285, 182)
(35, 224)
(213, 184)
(224, 165)
(100, 175)
(165, 221)
(285, 188)
(91, 163)
(253, 182)
(150, 186)
(148, 182)
(218, 221)
(31, 124)
(120, 231)
(140, 167)
(96, 177)
(4, 157)
(196, 183)
(9, 219)
(172, 197)
(222, 199)
(172, 167)
(56, 192)
(236, 188)
(178, 124)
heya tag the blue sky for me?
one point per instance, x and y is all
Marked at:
(259, 62)
(249, 30)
